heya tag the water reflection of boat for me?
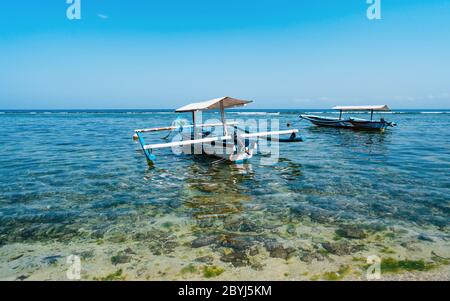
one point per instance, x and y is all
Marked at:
(216, 191)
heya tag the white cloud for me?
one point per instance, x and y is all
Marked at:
(101, 16)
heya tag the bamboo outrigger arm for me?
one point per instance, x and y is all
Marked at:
(176, 127)
(269, 136)
(274, 133)
(186, 142)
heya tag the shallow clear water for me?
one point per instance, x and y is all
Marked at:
(78, 175)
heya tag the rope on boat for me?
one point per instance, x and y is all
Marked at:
(217, 161)
(178, 123)
(302, 118)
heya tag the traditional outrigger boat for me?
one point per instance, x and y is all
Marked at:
(233, 144)
(353, 123)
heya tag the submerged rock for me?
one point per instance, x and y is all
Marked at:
(129, 251)
(300, 210)
(340, 248)
(376, 227)
(322, 216)
(237, 259)
(120, 259)
(291, 229)
(240, 224)
(142, 236)
(159, 247)
(424, 237)
(170, 245)
(86, 254)
(253, 251)
(309, 256)
(173, 204)
(237, 243)
(314, 213)
(205, 259)
(154, 234)
(16, 257)
(206, 223)
(203, 241)
(283, 253)
(411, 246)
(257, 266)
(277, 250)
(272, 245)
(22, 277)
(98, 234)
(43, 232)
(159, 242)
(248, 226)
(351, 231)
(232, 223)
(51, 259)
(117, 238)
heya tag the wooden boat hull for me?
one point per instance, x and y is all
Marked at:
(369, 125)
(226, 150)
(327, 121)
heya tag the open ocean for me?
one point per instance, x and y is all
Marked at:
(74, 182)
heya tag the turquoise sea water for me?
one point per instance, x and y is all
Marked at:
(65, 171)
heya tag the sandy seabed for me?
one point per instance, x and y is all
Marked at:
(171, 251)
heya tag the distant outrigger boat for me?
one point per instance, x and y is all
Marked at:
(235, 147)
(353, 123)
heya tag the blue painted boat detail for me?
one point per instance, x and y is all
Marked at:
(148, 154)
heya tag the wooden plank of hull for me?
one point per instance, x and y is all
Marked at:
(337, 124)
(369, 125)
(328, 122)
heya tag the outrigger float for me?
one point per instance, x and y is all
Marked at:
(353, 123)
(233, 144)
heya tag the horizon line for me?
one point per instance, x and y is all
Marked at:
(173, 109)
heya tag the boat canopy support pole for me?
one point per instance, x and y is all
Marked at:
(371, 114)
(194, 123)
(222, 116)
(340, 114)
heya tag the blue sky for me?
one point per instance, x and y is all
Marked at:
(281, 54)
